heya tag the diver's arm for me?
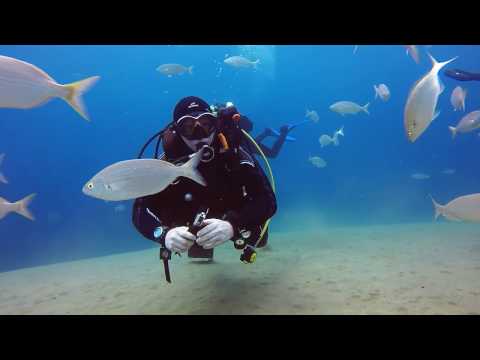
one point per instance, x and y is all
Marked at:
(147, 219)
(260, 203)
(277, 145)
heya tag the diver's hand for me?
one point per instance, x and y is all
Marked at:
(215, 232)
(179, 239)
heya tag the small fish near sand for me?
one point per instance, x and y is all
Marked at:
(317, 161)
(20, 207)
(464, 208)
(382, 91)
(24, 86)
(349, 108)
(420, 109)
(420, 176)
(468, 123)
(3, 179)
(241, 62)
(174, 69)
(131, 179)
(457, 99)
(312, 115)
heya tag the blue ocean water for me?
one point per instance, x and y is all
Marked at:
(52, 151)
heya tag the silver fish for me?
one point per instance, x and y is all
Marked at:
(468, 123)
(325, 140)
(24, 86)
(457, 99)
(463, 208)
(448, 171)
(420, 176)
(312, 115)
(131, 179)
(174, 69)
(20, 207)
(241, 62)
(317, 161)
(382, 91)
(412, 50)
(422, 101)
(3, 179)
(349, 108)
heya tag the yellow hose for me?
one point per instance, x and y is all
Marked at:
(272, 181)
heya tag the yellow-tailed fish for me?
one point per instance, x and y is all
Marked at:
(24, 86)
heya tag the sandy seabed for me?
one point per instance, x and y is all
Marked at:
(421, 268)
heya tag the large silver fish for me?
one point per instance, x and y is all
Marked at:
(24, 86)
(131, 179)
(422, 101)
(20, 207)
(463, 208)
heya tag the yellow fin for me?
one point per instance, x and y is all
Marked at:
(74, 95)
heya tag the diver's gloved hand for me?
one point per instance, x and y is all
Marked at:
(215, 233)
(179, 239)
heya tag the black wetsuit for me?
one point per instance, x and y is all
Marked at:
(247, 125)
(462, 75)
(237, 191)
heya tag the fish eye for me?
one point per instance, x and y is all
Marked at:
(90, 186)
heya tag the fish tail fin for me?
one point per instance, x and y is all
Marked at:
(453, 130)
(365, 108)
(75, 92)
(190, 70)
(438, 65)
(340, 132)
(190, 168)
(376, 91)
(438, 208)
(23, 207)
(256, 63)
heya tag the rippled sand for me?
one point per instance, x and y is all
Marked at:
(423, 268)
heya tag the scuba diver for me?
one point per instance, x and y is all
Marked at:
(237, 202)
(282, 135)
(462, 75)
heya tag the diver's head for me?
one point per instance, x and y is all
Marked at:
(194, 122)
